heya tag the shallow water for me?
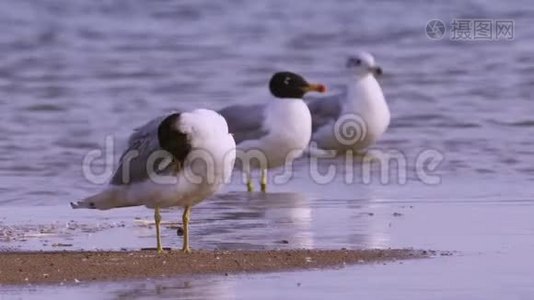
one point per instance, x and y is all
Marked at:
(75, 72)
(491, 243)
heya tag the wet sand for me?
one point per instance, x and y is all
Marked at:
(70, 266)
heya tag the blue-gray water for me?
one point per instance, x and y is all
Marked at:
(74, 72)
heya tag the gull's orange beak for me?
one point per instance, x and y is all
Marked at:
(315, 87)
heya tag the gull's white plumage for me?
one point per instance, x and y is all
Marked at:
(209, 139)
(175, 160)
(363, 107)
(287, 123)
(274, 134)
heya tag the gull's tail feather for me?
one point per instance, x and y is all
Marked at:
(107, 199)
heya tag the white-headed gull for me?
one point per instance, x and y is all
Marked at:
(356, 119)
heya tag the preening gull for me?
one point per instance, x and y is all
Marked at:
(274, 134)
(174, 160)
(356, 119)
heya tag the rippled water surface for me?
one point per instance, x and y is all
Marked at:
(73, 73)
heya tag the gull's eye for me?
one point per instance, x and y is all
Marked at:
(354, 62)
(287, 80)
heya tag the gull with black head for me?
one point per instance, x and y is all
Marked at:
(175, 160)
(271, 135)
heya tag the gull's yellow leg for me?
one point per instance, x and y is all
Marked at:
(250, 185)
(157, 219)
(263, 182)
(185, 221)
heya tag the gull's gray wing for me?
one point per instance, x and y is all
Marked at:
(245, 122)
(142, 143)
(325, 109)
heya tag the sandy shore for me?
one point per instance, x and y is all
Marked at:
(53, 267)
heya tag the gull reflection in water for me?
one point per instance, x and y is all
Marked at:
(256, 221)
(357, 220)
(183, 287)
(371, 221)
(242, 220)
